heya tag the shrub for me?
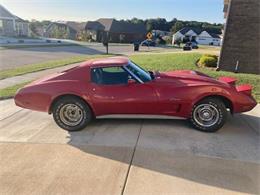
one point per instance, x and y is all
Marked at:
(208, 61)
(211, 55)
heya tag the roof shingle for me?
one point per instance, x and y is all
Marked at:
(112, 25)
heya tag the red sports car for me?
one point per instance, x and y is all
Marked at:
(118, 87)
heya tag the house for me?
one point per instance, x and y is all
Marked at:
(198, 35)
(185, 34)
(240, 49)
(206, 38)
(11, 25)
(111, 30)
(65, 30)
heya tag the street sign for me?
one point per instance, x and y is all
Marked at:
(149, 35)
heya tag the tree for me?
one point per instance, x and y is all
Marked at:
(136, 21)
(149, 25)
(177, 26)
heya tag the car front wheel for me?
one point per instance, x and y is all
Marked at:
(209, 115)
(71, 113)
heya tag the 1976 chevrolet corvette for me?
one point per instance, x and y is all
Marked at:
(118, 87)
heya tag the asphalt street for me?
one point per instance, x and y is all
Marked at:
(12, 58)
(137, 156)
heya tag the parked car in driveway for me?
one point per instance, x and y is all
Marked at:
(194, 45)
(117, 86)
(187, 46)
(190, 45)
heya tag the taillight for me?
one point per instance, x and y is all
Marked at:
(246, 89)
(229, 80)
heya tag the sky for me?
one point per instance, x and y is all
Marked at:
(85, 10)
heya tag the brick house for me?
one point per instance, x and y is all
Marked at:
(11, 25)
(241, 49)
(116, 31)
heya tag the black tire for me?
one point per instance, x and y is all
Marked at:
(84, 112)
(219, 113)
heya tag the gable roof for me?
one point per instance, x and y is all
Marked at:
(125, 27)
(214, 35)
(198, 32)
(4, 13)
(106, 23)
(75, 26)
(112, 25)
(94, 25)
(187, 29)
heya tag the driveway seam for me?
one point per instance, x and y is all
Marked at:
(249, 125)
(11, 115)
(132, 158)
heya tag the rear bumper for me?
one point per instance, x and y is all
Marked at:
(248, 104)
(242, 99)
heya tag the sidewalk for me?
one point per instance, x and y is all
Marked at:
(8, 82)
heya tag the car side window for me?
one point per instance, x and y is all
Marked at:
(115, 75)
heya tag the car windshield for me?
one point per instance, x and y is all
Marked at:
(139, 72)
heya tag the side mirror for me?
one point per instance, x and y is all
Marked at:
(131, 81)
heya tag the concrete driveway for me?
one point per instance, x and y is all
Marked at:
(126, 156)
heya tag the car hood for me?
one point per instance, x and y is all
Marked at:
(187, 77)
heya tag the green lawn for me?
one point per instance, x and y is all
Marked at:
(43, 66)
(10, 91)
(173, 61)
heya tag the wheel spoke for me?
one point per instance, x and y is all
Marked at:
(206, 115)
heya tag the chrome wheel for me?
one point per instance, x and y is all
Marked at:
(71, 114)
(206, 115)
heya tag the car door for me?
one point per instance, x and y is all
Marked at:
(112, 94)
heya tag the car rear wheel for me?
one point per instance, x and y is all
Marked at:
(71, 113)
(209, 115)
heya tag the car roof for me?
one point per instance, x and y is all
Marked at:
(112, 61)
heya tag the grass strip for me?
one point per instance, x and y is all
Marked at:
(9, 92)
(45, 65)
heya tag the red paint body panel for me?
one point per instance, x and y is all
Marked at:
(171, 93)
